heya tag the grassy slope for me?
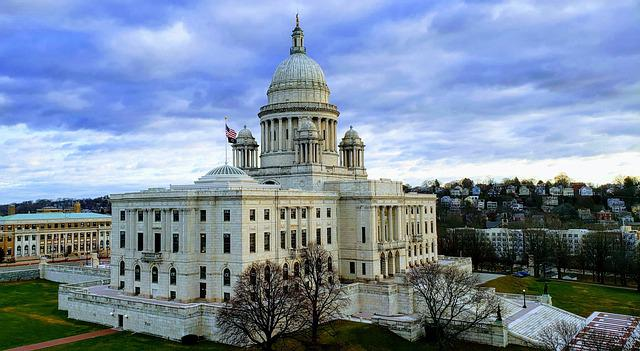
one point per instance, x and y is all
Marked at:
(581, 299)
(29, 314)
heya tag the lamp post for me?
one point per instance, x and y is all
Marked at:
(524, 298)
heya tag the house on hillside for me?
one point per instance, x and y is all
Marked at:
(555, 190)
(586, 191)
(476, 191)
(568, 191)
(511, 189)
(524, 191)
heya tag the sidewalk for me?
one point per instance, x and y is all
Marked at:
(67, 340)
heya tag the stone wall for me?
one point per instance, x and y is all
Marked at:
(72, 274)
(20, 273)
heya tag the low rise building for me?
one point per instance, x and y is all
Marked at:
(54, 234)
(568, 191)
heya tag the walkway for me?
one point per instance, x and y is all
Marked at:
(67, 340)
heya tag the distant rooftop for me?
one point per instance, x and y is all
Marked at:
(52, 216)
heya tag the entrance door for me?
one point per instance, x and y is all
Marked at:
(203, 290)
(120, 321)
(157, 241)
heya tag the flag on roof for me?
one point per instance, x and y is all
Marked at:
(231, 134)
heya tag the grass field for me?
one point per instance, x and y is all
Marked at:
(29, 314)
(581, 299)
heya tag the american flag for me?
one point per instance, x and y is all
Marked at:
(231, 134)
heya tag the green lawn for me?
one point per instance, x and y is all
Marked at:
(29, 314)
(581, 299)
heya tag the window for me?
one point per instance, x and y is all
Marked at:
(282, 213)
(122, 215)
(293, 213)
(172, 276)
(317, 213)
(252, 242)
(203, 215)
(266, 214)
(176, 216)
(285, 272)
(304, 237)
(203, 242)
(140, 241)
(293, 239)
(203, 272)
(227, 243)
(303, 213)
(267, 241)
(330, 264)
(431, 209)
(137, 291)
(328, 212)
(121, 285)
(432, 231)
(364, 269)
(364, 234)
(154, 274)
(425, 228)
(296, 269)
(319, 236)
(136, 272)
(252, 276)
(227, 297)
(121, 268)
(157, 244)
(352, 267)
(172, 295)
(252, 214)
(328, 236)
(226, 277)
(226, 215)
(203, 290)
(176, 243)
(156, 216)
(283, 239)
(140, 216)
(122, 239)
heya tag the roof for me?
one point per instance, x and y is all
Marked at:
(53, 216)
(611, 330)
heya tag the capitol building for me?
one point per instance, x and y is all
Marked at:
(301, 183)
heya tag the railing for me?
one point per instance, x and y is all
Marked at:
(391, 245)
(151, 257)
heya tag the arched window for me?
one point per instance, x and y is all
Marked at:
(433, 247)
(307, 267)
(154, 274)
(33, 250)
(267, 273)
(136, 271)
(296, 269)
(172, 276)
(26, 250)
(226, 277)
(121, 267)
(19, 251)
(252, 276)
(101, 244)
(330, 264)
(331, 282)
(285, 272)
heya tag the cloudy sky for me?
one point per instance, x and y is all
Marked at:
(99, 97)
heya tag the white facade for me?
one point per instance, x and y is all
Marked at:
(190, 242)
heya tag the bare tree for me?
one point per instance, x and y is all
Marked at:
(452, 303)
(538, 246)
(558, 335)
(322, 296)
(263, 308)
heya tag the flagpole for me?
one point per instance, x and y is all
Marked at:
(225, 141)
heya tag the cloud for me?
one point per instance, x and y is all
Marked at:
(119, 97)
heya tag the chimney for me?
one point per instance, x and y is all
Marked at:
(76, 207)
(12, 209)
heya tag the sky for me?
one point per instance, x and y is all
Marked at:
(100, 97)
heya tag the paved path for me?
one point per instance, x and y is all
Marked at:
(66, 340)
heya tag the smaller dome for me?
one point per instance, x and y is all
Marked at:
(245, 133)
(351, 138)
(351, 133)
(226, 170)
(307, 125)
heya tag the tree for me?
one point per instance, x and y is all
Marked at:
(561, 252)
(466, 183)
(263, 309)
(622, 258)
(557, 335)
(321, 294)
(597, 248)
(450, 304)
(562, 179)
(538, 247)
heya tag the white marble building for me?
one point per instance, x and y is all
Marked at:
(190, 242)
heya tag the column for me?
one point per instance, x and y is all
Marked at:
(399, 222)
(290, 128)
(281, 141)
(383, 224)
(422, 224)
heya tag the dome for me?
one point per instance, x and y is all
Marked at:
(351, 134)
(307, 125)
(245, 138)
(245, 133)
(351, 137)
(226, 170)
(298, 68)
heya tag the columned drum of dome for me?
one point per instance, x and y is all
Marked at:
(298, 91)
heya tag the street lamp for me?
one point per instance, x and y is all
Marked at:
(524, 298)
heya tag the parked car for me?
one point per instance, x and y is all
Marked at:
(521, 274)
